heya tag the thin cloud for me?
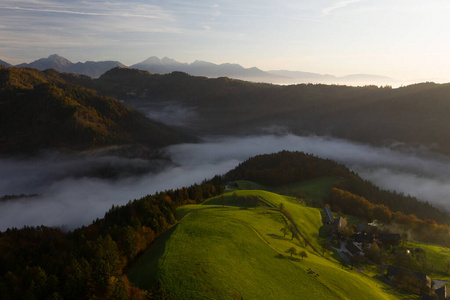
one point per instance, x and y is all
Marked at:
(338, 5)
(82, 13)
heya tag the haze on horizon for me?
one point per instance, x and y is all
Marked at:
(404, 40)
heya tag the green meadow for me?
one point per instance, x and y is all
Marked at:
(313, 190)
(437, 259)
(226, 248)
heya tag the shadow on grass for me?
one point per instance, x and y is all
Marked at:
(291, 258)
(324, 231)
(336, 256)
(143, 271)
(278, 237)
(390, 289)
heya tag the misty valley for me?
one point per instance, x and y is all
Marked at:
(104, 181)
(145, 186)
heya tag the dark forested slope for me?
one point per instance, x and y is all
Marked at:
(43, 110)
(416, 114)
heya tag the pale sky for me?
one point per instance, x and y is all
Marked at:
(402, 39)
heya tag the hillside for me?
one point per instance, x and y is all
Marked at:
(278, 170)
(199, 242)
(42, 110)
(225, 251)
(4, 64)
(413, 115)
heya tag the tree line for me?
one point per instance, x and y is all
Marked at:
(427, 231)
(90, 262)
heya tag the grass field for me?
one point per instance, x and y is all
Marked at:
(224, 250)
(437, 258)
(313, 190)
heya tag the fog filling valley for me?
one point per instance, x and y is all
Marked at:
(70, 197)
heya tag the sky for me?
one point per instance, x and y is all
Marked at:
(402, 39)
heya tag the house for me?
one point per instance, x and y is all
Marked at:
(340, 223)
(353, 249)
(363, 238)
(396, 273)
(390, 238)
(328, 215)
(366, 228)
(443, 293)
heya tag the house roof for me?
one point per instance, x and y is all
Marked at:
(366, 228)
(328, 215)
(390, 236)
(362, 237)
(353, 248)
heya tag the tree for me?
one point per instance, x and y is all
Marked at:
(292, 251)
(284, 230)
(447, 267)
(325, 246)
(293, 232)
(374, 253)
(303, 254)
(356, 260)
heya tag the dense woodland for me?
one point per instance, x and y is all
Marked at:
(89, 263)
(42, 110)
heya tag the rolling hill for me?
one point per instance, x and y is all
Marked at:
(204, 241)
(41, 110)
(413, 115)
(231, 251)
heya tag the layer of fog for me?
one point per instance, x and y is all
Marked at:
(171, 113)
(70, 196)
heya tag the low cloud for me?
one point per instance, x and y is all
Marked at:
(72, 196)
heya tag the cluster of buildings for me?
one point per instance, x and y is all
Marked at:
(366, 234)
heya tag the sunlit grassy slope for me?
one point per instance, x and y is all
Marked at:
(311, 190)
(223, 250)
(437, 259)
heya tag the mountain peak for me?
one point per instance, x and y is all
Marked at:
(152, 60)
(4, 64)
(170, 61)
(59, 59)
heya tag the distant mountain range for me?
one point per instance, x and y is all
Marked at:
(61, 64)
(204, 68)
(4, 64)
(167, 65)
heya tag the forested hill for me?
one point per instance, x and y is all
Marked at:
(42, 110)
(290, 167)
(416, 114)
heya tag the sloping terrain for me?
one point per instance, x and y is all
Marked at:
(233, 250)
(42, 110)
(415, 115)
